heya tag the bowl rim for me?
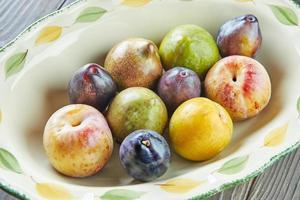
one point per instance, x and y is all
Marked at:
(10, 190)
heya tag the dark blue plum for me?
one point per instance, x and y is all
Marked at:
(92, 85)
(145, 155)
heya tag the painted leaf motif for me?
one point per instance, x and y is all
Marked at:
(135, 3)
(49, 34)
(121, 194)
(180, 185)
(53, 192)
(8, 161)
(90, 14)
(298, 105)
(276, 136)
(15, 63)
(234, 165)
(285, 15)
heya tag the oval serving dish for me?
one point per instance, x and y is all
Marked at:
(36, 67)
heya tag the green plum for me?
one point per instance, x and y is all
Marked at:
(136, 108)
(189, 46)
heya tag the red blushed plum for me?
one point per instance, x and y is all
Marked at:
(77, 140)
(92, 85)
(178, 85)
(240, 84)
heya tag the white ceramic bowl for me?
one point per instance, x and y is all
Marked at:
(36, 67)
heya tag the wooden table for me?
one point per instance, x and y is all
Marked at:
(280, 181)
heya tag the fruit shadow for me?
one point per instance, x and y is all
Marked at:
(100, 59)
(111, 175)
(53, 99)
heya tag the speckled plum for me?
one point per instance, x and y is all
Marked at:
(134, 62)
(136, 108)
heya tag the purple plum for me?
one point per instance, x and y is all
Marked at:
(178, 85)
(240, 36)
(92, 85)
(145, 155)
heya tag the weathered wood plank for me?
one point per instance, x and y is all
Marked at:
(5, 196)
(16, 15)
(237, 193)
(281, 181)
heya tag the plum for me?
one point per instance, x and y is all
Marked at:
(145, 155)
(77, 140)
(134, 109)
(200, 129)
(178, 85)
(93, 86)
(134, 62)
(240, 36)
(190, 46)
(240, 84)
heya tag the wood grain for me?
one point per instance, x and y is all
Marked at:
(279, 182)
(5, 196)
(16, 15)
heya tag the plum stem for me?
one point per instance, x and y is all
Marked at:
(183, 74)
(147, 143)
(250, 18)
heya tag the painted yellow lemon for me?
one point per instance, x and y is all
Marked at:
(200, 129)
(135, 3)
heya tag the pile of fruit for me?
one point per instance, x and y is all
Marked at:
(131, 97)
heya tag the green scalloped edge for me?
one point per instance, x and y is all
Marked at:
(13, 192)
(297, 4)
(206, 195)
